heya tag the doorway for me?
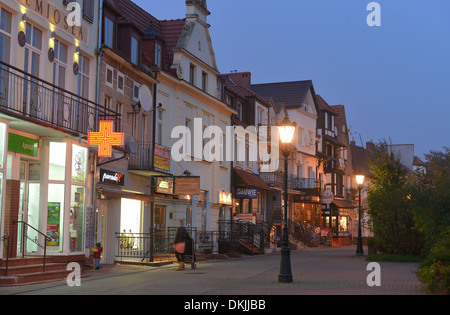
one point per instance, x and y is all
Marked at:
(29, 208)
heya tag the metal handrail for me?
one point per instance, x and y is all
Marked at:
(30, 97)
(46, 239)
(5, 240)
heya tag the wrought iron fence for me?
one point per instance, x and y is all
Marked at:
(28, 97)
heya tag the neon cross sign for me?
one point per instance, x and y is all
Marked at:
(105, 138)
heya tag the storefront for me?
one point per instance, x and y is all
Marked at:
(341, 221)
(122, 213)
(250, 193)
(307, 208)
(47, 179)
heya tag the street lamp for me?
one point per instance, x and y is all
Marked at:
(359, 246)
(287, 130)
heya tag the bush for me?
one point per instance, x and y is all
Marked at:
(435, 270)
(436, 278)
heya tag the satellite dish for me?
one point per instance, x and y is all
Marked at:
(145, 97)
(131, 145)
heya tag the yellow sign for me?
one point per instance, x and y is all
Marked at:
(225, 198)
(162, 158)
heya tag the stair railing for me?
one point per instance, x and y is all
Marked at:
(24, 237)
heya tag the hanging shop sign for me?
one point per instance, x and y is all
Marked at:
(245, 217)
(161, 159)
(327, 197)
(105, 138)
(246, 193)
(164, 185)
(225, 198)
(111, 177)
(187, 185)
(23, 145)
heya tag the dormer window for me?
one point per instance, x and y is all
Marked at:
(134, 50)
(158, 55)
(109, 32)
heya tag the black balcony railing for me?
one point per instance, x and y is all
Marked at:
(28, 97)
(276, 179)
(145, 157)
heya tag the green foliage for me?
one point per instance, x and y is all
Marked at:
(394, 258)
(436, 277)
(431, 197)
(390, 207)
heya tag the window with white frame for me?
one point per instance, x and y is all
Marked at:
(158, 55)
(159, 126)
(109, 80)
(5, 35)
(109, 32)
(120, 82)
(134, 50)
(83, 76)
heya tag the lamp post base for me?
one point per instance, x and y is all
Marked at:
(359, 247)
(285, 275)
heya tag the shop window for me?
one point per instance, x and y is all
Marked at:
(77, 214)
(57, 161)
(130, 219)
(79, 160)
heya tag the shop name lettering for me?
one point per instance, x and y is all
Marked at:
(115, 178)
(27, 146)
(70, 21)
(239, 305)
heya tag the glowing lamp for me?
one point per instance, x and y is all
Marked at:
(360, 179)
(287, 130)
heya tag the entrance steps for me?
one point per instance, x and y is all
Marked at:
(30, 270)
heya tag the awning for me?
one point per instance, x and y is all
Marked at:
(343, 204)
(243, 178)
(127, 195)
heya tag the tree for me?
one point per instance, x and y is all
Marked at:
(389, 203)
(431, 197)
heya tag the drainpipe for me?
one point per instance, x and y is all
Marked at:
(100, 55)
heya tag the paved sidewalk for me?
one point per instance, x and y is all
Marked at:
(317, 271)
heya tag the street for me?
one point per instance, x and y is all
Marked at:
(317, 271)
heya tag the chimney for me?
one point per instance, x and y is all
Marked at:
(370, 145)
(197, 9)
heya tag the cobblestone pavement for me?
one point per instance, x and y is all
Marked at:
(318, 271)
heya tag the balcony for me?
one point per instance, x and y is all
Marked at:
(30, 98)
(147, 159)
(276, 180)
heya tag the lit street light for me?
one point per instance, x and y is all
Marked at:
(287, 130)
(359, 246)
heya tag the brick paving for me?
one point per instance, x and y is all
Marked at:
(317, 271)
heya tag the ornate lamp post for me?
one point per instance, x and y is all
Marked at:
(359, 246)
(287, 130)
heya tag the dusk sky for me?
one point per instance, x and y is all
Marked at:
(393, 79)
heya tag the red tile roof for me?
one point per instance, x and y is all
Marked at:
(168, 31)
(323, 105)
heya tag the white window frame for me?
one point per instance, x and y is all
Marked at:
(107, 83)
(121, 75)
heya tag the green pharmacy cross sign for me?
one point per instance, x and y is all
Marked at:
(21, 144)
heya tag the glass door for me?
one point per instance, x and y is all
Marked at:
(29, 208)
